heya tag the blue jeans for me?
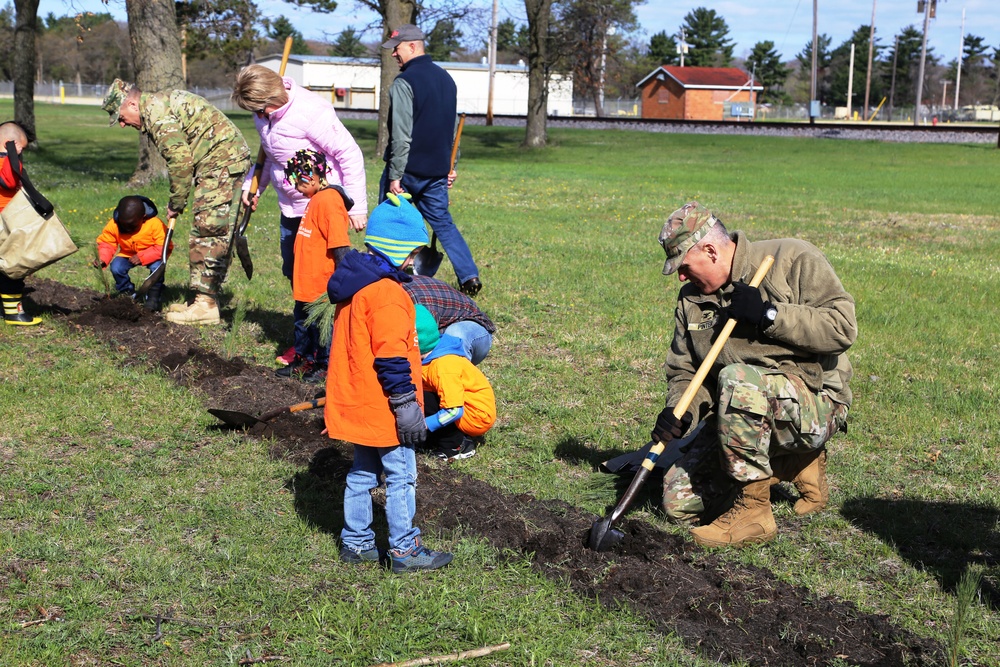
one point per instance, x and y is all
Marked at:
(400, 466)
(475, 338)
(307, 343)
(120, 266)
(289, 228)
(430, 196)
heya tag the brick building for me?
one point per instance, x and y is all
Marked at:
(698, 93)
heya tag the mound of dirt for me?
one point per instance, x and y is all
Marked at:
(724, 611)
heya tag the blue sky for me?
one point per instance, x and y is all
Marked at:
(787, 23)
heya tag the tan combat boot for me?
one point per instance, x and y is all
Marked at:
(204, 310)
(749, 521)
(810, 482)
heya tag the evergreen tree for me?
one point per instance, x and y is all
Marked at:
(840, 68)
(281, 29)
(348, 45)
(822, 66)
(444, 40)
(906, 55)
(662, 49)
(707, 34)
(768, 70)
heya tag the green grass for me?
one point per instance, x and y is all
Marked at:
(116, 501)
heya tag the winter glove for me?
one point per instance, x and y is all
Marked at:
(410, 426)
(668, 427)
(747, 305)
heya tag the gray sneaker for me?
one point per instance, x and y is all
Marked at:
(467, 450)
(419, 558)
(349, 555)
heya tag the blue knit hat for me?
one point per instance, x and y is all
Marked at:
(396, 228)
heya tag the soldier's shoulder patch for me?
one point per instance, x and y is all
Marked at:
(709, 318)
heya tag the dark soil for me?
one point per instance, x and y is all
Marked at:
(724, 611)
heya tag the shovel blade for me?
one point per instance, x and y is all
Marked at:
(153, 278)
(243, 252)
(603, 536)
(234, 418)
(427, 262)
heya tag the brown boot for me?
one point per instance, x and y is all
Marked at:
(810, 482)
(749, 521)
(204, 310)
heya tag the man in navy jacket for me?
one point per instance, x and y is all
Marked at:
(422, 115)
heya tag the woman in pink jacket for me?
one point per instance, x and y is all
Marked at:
(290, 118)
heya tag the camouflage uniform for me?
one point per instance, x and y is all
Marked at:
(205, 152)
(781, 389)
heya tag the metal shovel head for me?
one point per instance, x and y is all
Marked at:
(234, 418)
(603, 536)
(428, 260)
(243, 252)
(153, 278)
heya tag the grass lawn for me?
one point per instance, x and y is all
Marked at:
(117, 504)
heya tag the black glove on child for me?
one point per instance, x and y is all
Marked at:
(410, 427)
(747, 305)
(668, 427)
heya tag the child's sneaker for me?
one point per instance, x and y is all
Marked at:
(286, 357)
(419, 558)
(466, 450)
(299, 367)
(315, 375)
(349, 555)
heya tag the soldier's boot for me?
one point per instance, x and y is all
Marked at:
(153, 296)
(810, 482)
(749, 521)
(13, 312)
(204, 310)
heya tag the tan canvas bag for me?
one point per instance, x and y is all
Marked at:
(28, 240)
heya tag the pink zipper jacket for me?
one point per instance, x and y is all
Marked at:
(309, 121)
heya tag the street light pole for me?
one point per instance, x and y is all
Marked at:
(871, 51)
(812, 79)
(493, 64)
(923, 60)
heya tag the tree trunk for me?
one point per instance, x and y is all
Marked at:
(394, 14)
(539, 14)
(25, 25)
(156, 56)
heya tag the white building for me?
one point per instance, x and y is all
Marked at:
(353, 83)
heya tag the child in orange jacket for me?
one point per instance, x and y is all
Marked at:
(320, 243)
(459, 402)
(134, 236)
(373, 400)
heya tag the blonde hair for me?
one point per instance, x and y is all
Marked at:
(258, 87)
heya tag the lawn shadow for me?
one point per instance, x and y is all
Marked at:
(277, 327)
(649, 496)
(939, 537)
(319, 490)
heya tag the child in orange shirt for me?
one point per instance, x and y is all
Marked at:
(320, 244)
(459, 402)
(134, 236)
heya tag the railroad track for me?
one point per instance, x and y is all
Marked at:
(942, 133)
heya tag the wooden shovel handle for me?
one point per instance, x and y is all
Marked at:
(298, 407)
(458, 139)
(258, 166)
(706, 365)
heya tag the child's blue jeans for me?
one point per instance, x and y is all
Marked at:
(400, 466)
(120, 266)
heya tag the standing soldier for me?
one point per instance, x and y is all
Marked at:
(204, 152)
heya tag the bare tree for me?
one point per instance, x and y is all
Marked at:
(25, 30)
(539, 16)
(156, 54)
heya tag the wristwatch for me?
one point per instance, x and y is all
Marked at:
(770, 315)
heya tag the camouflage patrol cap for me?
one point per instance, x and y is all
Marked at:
(682, 230)
(115, 97)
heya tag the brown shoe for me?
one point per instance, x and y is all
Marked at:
(749, 521)
(204, 310)
(810, 482)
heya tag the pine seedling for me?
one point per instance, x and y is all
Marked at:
(965, 596)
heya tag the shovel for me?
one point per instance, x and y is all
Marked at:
(603, 535)
(157, 276)
(428, 260)
(243, 420)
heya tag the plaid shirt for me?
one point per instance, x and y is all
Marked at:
(446, 303)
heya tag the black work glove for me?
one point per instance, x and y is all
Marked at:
(668, 427)
(410, 427)
(747, 305)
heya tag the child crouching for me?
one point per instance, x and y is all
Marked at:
(134, 236)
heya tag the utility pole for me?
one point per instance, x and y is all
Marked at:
(682, 48)
(944, 93)
(813, 102)
(892, 86)
(923, 59)
(493, 64)
(871, 52)
(961, 52)
(850, 84)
